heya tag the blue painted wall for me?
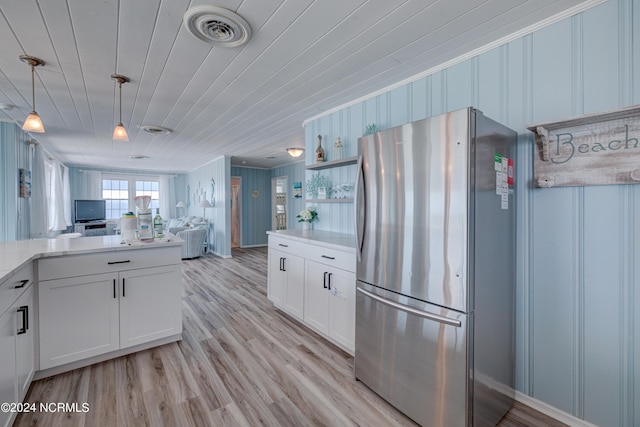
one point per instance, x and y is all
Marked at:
(578, 288)
(198, 182)
(255, 211)
(14, 210)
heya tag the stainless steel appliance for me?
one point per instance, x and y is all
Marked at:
(435, 230)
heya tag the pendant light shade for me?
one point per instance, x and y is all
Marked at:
(295, 151)
(120, 133)
(33, 122)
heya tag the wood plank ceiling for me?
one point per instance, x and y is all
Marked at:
(305, 57)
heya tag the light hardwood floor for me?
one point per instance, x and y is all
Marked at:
(240, 363)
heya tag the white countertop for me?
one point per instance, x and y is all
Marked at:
(14, 255)
(329, 239)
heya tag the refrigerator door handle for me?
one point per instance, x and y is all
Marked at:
(359, 227)
(411, 310)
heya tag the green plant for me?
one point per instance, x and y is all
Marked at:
(370, 128)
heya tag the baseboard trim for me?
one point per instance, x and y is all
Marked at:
(551, 411)
(103, 357)
(253, 246)
(218, 254)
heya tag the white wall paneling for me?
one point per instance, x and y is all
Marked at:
(577, 297)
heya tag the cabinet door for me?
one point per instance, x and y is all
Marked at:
(25, 341)
(8, 366)
(276, 283)
(294, 284)
(342, 307)
(79, 318)
(150, 304)
(316, 296)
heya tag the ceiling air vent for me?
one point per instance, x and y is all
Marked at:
(155, 130)
(217, 25)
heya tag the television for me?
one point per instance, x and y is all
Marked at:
(90, 210)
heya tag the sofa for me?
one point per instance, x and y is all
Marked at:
(174, 225)
(194, 239)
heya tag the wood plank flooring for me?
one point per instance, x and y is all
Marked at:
(240, 363)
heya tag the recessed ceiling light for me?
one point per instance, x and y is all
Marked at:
(6, 107)
(156, 130)
(138, 156)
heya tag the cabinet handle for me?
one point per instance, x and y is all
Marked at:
(114, 289)
(22, 283)
(25, 319)
(328, 257)
(123, 287)
(330, 274)
(118, 262)
(324, 284)
(284, 246)
(283, 267)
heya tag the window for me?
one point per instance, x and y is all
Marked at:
(116, 194)
(149, 188)
(120, 191)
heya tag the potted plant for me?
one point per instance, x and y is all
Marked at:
(306, 217)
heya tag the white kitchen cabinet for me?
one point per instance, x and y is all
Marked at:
(314, 281)
(8, 366)
(286, 281)
(17, 345)
(150, 305)
(88, 315)
(25, 341)
(79, 318)
(276, 279)
(330, 302)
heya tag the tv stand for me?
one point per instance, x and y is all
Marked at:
(91, 228)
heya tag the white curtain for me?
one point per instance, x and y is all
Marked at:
(93, 185)
(38, 203)
(56, 198)
(167, 196)
(66, 195)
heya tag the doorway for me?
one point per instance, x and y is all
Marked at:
(236, 214)
(279, 203)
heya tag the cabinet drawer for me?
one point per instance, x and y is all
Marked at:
(12, 287)
(335, 258)
(287, 245)
(106, 262)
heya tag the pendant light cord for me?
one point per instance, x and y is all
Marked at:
(33, 87)
(120, 85)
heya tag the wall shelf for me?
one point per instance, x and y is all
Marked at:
(333, 163)
(329, 200)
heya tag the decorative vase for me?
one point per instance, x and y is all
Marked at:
(306, 228)
(320, 151)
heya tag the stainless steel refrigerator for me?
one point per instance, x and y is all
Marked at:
(435, 231)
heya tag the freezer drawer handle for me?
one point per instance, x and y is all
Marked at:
(411, 310)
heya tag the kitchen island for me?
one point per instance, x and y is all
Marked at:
(68, 303)
(312, 277)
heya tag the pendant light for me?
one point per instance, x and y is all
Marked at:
(120, 133)
(33, 122)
